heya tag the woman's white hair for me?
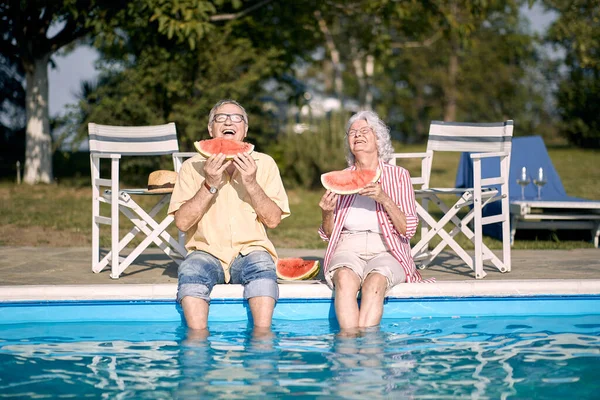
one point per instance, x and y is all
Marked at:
(381, 130)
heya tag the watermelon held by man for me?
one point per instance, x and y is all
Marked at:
(349, 181)
(229, 147)
(297, 269)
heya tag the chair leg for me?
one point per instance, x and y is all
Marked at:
(95, 168)
(506, 234)
(478, 220)
(437, 229)
(142, 246)
(143, 222)
(513, 229)
(596, 235)
(114, 214)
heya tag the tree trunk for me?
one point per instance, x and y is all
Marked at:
(451, 92)
(360, 78)
(38, 151)
(335, 58)
(419, 116)
(369, 70)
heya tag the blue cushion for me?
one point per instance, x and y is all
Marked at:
(529, 152)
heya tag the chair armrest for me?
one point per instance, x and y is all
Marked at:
(104, 155)
(410, 155)
(488, 155)
(188, 154)
(425, 157)
(178, 158)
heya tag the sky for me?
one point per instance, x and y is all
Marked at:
(78, 66)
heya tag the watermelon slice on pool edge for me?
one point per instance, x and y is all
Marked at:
(228, 147)
(349, 181)
(296, 269)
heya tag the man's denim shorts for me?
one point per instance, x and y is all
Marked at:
(201, 271)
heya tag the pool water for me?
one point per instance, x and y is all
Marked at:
(474, 357)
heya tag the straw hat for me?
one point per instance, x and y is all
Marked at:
(161, 181)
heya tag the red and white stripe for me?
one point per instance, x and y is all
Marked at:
(395, 181)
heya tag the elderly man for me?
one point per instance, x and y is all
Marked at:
(223, 207)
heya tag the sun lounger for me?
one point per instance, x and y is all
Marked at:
(554, 209)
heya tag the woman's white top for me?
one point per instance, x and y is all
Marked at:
(362, 215)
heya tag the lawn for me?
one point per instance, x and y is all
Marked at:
(60, 215)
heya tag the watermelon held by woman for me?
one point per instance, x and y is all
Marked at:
(349, 181)
(229, 147)
(296, 269)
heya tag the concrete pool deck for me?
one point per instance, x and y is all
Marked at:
(40, 273)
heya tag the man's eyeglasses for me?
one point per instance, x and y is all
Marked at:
(235, 118)
(363, 131)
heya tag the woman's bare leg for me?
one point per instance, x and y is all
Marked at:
(371, 300)
(347, 285)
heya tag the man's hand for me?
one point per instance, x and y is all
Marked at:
(328, 201)
(214, 167)
(245, 164)
(374, 191)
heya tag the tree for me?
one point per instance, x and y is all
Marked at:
(12, 102)
(576, 33)
(28, 23)
(151, 78)
(468, 62)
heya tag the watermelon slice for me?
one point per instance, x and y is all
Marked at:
(349, 181)
(228, 147)
(295, 269)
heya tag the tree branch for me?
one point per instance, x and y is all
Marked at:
(73, 30)
(229, 17)
(17, 17)
(426, 43)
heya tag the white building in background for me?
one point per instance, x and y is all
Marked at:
(316, 107)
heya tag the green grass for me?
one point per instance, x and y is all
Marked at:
(60, 215)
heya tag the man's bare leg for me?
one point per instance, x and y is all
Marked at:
(262, 308)
(346, 285)
(371, 300)
(195, 311)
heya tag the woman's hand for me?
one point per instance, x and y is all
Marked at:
(328, 201)
(214, 167)
(374, 191)
(327, 204)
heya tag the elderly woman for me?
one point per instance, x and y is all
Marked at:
(369, 232)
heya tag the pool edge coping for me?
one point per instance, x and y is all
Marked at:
(467, 288)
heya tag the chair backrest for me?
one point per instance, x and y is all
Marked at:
(470, 137)
(133, 140)
(459, 137)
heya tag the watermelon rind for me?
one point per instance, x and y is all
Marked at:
(309, 274)
(203, 145)
(329, 185)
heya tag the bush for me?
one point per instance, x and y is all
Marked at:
(303, 156)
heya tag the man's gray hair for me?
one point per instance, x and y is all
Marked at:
(220, 103)
(381, 130)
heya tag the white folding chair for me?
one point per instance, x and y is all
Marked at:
(113, 142)
(483, 140)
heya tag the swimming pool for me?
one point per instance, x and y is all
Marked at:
(532, 346)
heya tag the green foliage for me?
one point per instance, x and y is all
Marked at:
(579, 108)
(185, 22)
(304, 155)
(163, 84)
(493, 77)
(576, 33)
